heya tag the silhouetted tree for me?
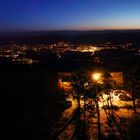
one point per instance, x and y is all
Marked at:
(132, 80)
(108, 85)
(86, 88)
(79, 85)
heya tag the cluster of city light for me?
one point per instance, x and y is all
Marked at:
(86, 49)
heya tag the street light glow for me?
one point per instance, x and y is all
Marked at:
(96, 76)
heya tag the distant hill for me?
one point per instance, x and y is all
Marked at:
(118, 36)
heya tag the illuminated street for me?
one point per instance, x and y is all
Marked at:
(122, 111)
(68, 113)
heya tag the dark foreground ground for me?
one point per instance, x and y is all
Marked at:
(25, 103)
(30, 104)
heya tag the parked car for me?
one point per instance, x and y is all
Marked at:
(117, 92)
(121, 95)
(124, 97)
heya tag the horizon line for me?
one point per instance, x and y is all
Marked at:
(67, 30)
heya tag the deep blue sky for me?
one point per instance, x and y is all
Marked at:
(28, 15)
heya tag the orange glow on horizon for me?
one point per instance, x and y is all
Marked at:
(100, 28)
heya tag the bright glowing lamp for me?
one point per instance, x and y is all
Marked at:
(96, 76)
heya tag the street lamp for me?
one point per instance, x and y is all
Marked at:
(96, 77)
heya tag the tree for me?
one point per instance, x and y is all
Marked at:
(85, 87)
(79, 85)
(132, 81)
(108, 85)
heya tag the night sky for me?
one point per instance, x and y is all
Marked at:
(42, 15)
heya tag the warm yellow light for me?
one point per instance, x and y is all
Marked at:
(96, 76)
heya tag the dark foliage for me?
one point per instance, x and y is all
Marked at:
(31, 104)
